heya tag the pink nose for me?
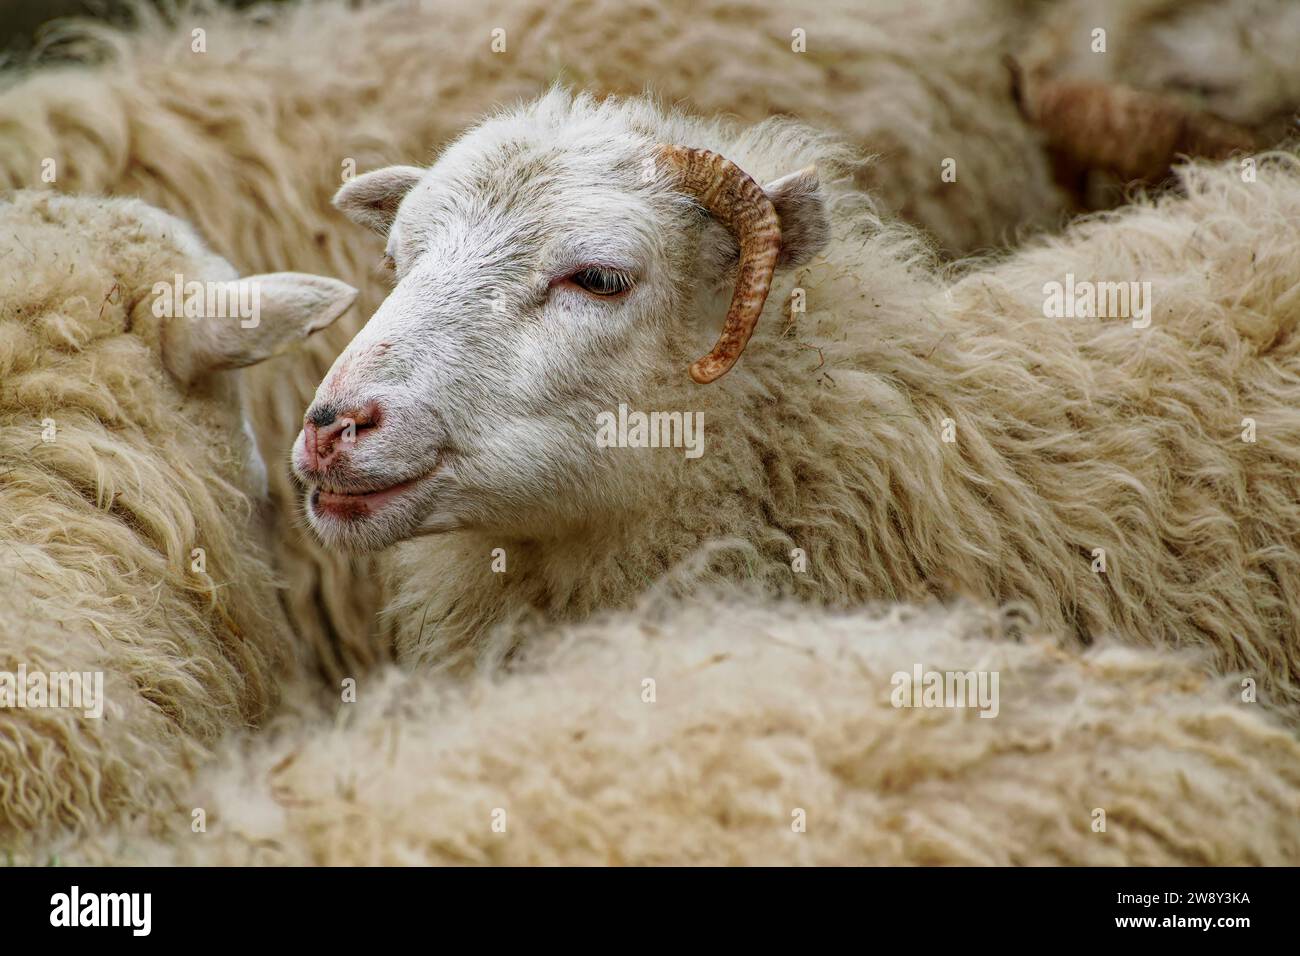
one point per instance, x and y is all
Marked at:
(329, 431)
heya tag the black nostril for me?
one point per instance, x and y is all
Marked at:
(323, 416)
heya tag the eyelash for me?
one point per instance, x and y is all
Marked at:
(601, 282)
(594, 280)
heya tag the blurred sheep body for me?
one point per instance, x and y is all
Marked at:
(646, 740)
(129, 544)
(1134, 475)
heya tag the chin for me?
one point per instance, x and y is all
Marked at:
(369, 521)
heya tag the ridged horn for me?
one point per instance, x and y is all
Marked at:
(739, 204)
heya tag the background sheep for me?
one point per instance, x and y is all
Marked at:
(914, 82)
(643, 740)
(128, 541)
(1124, 477)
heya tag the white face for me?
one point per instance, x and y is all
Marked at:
(541, 280)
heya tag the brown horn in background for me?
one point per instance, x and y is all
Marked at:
(1132, 133)
(740, 205)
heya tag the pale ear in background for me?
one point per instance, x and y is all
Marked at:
(289, 307)
(371, 199)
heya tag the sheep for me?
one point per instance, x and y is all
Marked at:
(248, 139)
(727, 732)
(141, 619)
(887, 435)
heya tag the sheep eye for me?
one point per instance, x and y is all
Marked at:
(387, 262)
(600, 281)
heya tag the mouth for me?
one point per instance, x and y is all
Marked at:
(357, 504)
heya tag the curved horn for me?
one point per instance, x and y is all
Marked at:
(741, 206)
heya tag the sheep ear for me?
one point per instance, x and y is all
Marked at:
(371, 199)
(801, 207)
(243, 322)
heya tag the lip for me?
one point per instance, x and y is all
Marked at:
(354, 505)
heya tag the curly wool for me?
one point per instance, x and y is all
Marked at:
(1111, 757)
(248, 141)
(110, 478)
(915, 440)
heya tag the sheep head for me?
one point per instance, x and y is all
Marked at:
(119, 294)
(551, 265)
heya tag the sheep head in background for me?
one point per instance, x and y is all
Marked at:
(172, 312)
(550, 266)
(129, 539)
